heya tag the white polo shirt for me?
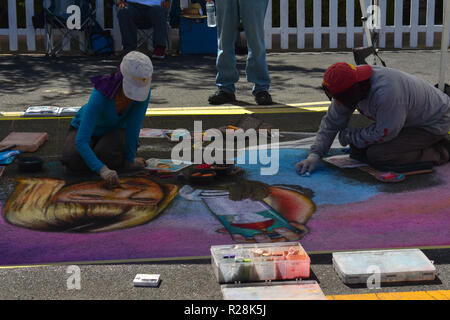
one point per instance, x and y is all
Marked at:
(147, 2)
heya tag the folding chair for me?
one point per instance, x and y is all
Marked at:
(361, 54)
(56, 17)
(145, 33)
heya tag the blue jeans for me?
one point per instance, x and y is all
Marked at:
(252, 13)
(141, 16)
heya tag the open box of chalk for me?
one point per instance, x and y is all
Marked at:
(260, 262)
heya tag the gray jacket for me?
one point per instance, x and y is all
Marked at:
(396, 100)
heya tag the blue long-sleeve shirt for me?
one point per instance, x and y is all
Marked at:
(98, 117)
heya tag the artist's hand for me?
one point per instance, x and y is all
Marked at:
(121, 4)
(110, 176)
(344, 137)
(247, 189)
(307, 165)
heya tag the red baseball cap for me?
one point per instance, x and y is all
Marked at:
(341, 76)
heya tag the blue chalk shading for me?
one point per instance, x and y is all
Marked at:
(330, 186)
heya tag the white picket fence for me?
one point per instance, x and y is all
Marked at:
(283, 31)
(398, 29)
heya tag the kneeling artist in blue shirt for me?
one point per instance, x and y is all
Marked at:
(104, 134)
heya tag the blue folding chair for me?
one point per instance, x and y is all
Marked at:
(56, 17)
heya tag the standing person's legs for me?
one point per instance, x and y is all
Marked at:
(252, 14)
(128, 30)
(412, 145)
(227, 30)
(158, 19)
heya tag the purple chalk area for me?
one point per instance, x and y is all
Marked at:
(187, 229)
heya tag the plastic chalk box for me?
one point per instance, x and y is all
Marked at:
(260, 262)
(391, 265)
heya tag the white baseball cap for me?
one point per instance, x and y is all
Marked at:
(137, 70)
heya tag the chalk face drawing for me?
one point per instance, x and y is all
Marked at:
(49, 205)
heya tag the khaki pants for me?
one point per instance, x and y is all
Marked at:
(412, 145)
(109, 149)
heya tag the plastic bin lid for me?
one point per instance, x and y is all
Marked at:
(387, 261)
(275, 290)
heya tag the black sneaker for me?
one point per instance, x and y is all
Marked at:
(263, 98)
(221, 97)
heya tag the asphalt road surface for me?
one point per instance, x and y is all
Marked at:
(186, 80)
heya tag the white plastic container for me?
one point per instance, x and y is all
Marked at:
(146, 280)
(260, 262)
(278, 290)
(391, 265)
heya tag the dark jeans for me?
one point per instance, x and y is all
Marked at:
(137, 16)
(109, 149)
(411, 146)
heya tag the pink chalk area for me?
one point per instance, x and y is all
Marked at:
(410, 219)
(175, 233)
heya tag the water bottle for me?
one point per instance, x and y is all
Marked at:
(211, 13)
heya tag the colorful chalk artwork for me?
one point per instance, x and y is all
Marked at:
(260, 262)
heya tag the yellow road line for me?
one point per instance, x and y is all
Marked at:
(18, 267)
(440, 294)
(192, 112)
(228, 107)
(370, 296)
(199, 112)
(414, 295)
(318, 106)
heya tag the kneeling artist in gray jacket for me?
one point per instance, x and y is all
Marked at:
(411, 117)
